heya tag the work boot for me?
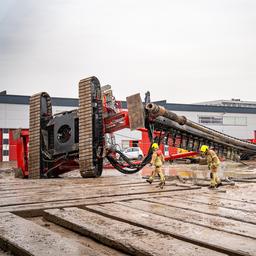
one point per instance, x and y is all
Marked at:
(149, 181)
(161, 185)
(219, 184)
(212, 187)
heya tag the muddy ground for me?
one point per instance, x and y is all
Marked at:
(227, 169)
(120, 214)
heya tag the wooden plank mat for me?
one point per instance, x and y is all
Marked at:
(220, 202)
(43, 186)
(123, 179)
(83, 194)
(183, 203)
(67, 189)
(32, 210)
(23, 237)
(247, 196)
(244, 193)
(203, 236)
(122, 236)
(202, 219)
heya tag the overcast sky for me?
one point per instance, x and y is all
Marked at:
(181, 50)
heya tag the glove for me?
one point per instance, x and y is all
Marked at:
(214, 165)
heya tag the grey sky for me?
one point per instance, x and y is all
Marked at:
(183, 51)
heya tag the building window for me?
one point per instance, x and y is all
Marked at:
(223, 120)
(235, 120)
(5, 152)
(5, 130)
(5, 141)
(211, 120)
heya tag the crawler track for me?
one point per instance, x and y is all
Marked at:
(40, 109)
(90, 128)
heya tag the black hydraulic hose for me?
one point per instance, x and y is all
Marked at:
(124, 157)
(131, 168)
(120, 168)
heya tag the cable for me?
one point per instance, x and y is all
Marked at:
(131, 168)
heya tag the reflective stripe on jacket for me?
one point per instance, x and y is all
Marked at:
(157, 160)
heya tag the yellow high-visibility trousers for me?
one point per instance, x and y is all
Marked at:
(157, 171)
(215, 180)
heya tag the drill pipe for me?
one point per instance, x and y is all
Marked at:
(156, 111)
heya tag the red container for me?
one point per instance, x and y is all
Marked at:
(12, 147)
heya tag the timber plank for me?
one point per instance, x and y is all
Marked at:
(35, 209)
(83, 194)
(239, 215)
(122, 236)
(202, 219)
(240, 194)
(70, 180)
(23, 237)
(86, 241)
(71, 189)
(17, 188)
(221, 202)
(203, 236)
(247, 196)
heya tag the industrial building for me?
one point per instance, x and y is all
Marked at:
(233, 117)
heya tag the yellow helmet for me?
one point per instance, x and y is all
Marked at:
(204, 148)
(154, 146)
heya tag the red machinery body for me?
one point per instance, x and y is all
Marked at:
(115, 122)
(22, 147)
(114, 119)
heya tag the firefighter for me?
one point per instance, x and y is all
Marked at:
(213, 164)
(157, 161)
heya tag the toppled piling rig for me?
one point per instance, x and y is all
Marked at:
(81, 138)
